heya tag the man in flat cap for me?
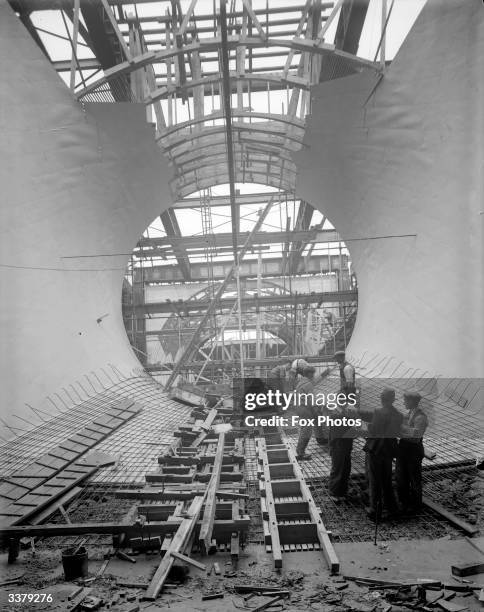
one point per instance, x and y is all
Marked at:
(341, 438)
(346, 373)
(408, 471)
(381, 447)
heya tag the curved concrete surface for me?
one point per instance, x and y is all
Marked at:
(405, 156)
(75, 181)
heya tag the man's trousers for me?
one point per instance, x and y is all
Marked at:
(340, 452)
(408, 474)
(380, 483)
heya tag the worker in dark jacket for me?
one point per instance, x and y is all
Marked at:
(411, 453)
(381, 447)
(341, 437)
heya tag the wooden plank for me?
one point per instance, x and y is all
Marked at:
(223, 529)
(270, 505)
(52, 462)
(178, 544)
(458, 522)
(323, 536)
(302, 533)
(91, 435)
(12, 491)
(44, 501)
(207, 423)
(175, 492)
(234, 547)
(468, 569)
(188, 560)
(287, 488)
(59, 470)
(475, 544)
(64, 453)
(281, 470)
(206, 530)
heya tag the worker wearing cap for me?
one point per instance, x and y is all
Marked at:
(346, 373)
(411, 453)
(341, 438)
(381, 447)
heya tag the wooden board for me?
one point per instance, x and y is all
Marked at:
(222, 529)
(270, 505)
(468, 569)
(206, 530)
(33, 488)
(177, 544)
(452, 518)
(323, 536)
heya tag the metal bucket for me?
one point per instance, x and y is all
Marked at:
(75, 565)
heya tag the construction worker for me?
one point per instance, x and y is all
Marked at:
(381, 447)
(278, 379)
(411, 453)
(346, 373)
(341, 438)
(304, 407)
(279, 375)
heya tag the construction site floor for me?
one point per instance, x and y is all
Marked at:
(304, 574)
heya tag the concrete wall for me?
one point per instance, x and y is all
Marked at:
(404, 155)
(74, 182)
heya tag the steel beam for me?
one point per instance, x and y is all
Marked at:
(242, 200)
(170, 223)
(303, 222)
(223, 239)
(105, 46)
(213, 304)
(226, 91)
(350, 25)
(271, 267)
(247, 302)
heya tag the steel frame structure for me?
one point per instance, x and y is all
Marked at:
(211, 63)
(217, 67)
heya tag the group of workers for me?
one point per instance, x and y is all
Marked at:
(389, 435)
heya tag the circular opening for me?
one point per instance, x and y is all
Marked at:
(297, 291)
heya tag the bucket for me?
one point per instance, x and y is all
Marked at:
(75, 565)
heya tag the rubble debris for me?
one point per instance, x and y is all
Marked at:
(208, 596)
(468, 569)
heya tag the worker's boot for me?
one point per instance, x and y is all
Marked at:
(303, 457)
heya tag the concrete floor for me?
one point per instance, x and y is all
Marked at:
(304, 574)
